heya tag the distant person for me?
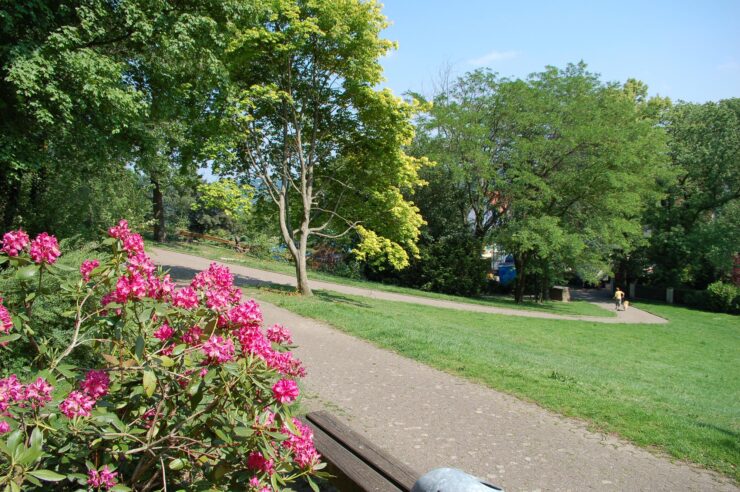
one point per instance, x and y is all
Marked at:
(619, 299)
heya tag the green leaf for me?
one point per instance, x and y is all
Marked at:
(177, 464)
(37, 438)
(149, 382)
(47, 475)
(27, 272)
(119, 488)
(10, 338)
(66, 370)
(14, 439)
(139, 349)
(167, 361)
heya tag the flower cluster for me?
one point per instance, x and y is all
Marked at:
(14, 242)
(81, 403)
(301, 444)
(279, 334)
(34, 395)
(219, 349)
(87, 267)
(285, 391)
(105, 478)
(6, 322)
(45, 249)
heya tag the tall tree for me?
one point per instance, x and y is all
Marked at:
(322, 144)
(556, 169)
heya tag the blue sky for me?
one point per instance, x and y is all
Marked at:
(683, 50)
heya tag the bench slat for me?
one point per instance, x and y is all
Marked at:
(352, 473)
(396, 472)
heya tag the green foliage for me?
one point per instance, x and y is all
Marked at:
(323, 146)
(234, 200)
(555, 169)
(724, 297)
(695, 230)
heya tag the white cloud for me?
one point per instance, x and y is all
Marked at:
(730, 66)
(491, 57)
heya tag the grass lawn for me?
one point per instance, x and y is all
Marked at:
(226, 255)
(675, 387)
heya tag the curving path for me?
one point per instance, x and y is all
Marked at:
(429, 419)
(253, 276)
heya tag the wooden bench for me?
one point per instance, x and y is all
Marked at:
(355, 461)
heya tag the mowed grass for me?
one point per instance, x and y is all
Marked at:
(675, 387)
(226, 255)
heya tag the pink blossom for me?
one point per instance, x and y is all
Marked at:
(164, 332)
(186, 298)
(105, 478)
(216, 276)
(285, 391)
(77, 404)
(133, 244)
(132, 286)
(14, 242)
(167, 350)
(11, 390)
(161, 288)
(45, 249)
(192, 336)
(148, 417)
(254, 482)
(140, 263)
(301, 444)
(247, 313)
(96, 384)
(87, 267)
(120, 231)
(6, 322)
(284, 363)
(279, 334)
(256, 461)
(38, 393)
(217, 299)
(219, 349)
(4, 427)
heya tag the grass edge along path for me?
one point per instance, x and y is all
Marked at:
(225, 255)
(671, 387)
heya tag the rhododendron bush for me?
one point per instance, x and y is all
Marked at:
(189, 391)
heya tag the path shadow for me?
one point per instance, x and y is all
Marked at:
(334, 297)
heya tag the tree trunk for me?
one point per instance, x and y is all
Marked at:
(300, 264)
(520, 262)
(158, 209)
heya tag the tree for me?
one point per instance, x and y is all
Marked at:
(556, 169)
(695, 230)
(321, 144)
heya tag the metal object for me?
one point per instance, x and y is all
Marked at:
(451, 480)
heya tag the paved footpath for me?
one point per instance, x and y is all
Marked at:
(429, 419)
(254, 276)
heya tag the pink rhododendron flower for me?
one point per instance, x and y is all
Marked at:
(256, 461)
(4, 427)
(38, 393)
(45, 249)
(192, 336)
(140, 263)
(14, 242)
(104, 478)
(279, 334)
(96, 384)
(186, 298)
(87, 267)
(11, 390)
(304, 451)
(133, 244)
(6, 322)
(167, 350)
(164, 332)
(285, 391)
(77, 404)
(219, 349)
(247, 313)
(119, 231)
(217, 299)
